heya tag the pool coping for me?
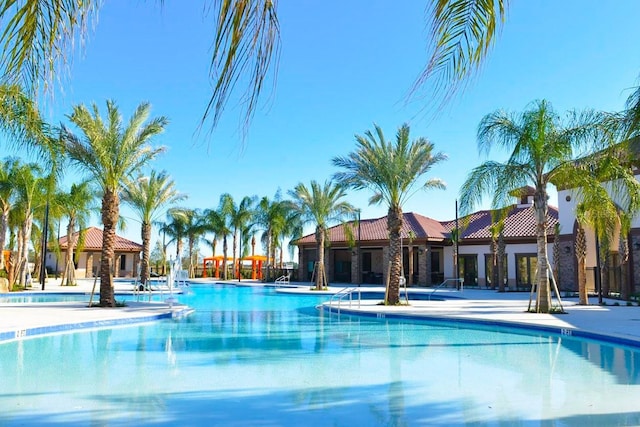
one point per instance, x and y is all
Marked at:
(133, 313)
(574, 332)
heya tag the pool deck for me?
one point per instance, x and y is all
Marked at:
(25, 320)
(618, 324)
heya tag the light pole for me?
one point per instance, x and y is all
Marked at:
(359, 253)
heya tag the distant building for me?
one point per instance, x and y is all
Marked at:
(432, 248)
(126, 255)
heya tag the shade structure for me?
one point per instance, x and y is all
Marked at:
(256, 265)
(216, 260)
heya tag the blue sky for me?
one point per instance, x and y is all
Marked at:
(343, 67)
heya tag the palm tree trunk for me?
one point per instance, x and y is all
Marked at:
(240, 259)
(235, 246)
(500, 262)
(225, 248)
(394, 225)
(192, 272)
(268, 266)
(543, 300)
(581, 253)
(69, 266)
(410, 278)
(320, 271)
(24, 263)
(4, 220)
(110, 213)
(146, 246)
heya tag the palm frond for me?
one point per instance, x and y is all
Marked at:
(38, 37)
(247, 42)
(462, 33)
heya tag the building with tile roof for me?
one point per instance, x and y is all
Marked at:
(431, 249)
(127, 255)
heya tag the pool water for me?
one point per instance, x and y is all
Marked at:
(250, 356)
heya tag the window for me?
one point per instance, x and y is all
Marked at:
(488, 268)
(366, 261)
(468, 269)
(526, 265)
(123, 262)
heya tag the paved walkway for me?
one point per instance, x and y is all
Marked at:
(619, 324)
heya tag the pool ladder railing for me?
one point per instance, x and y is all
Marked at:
(339, 296)
(444, 283)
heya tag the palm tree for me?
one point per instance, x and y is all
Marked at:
(21, 121)
(214, 221)
(320, 205)
(194, 231)
(31, 187)
(77, 206)
(147, 195)
(271, 218)
(391, 170)
(110, 153)
(238, 216)
(608, 198)
(543, 152)
(8, 170)
(176, 228)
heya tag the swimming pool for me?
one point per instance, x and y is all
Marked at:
(249, 356)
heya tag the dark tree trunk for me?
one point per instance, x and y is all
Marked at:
(110, 213)
(543, 300)
(394, 225)
(320, 270)
(146, 246)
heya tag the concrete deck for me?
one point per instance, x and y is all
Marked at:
(619, 324)
(21, 320)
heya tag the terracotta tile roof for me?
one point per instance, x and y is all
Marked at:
(519, 223)
(376, 229)
(93, 241)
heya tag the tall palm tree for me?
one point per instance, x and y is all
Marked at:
(8, 170)
(608, 197)
(110, 153)
(543, 151)
(147, 195)
(31, 185)
(194, 232)
(176, 228)
(392, 170)
(321, 205)
(77, 206)
(238, 216)
(214, 222)
(271, 218)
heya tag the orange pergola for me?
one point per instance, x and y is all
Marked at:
(256, 264)
(216, 265)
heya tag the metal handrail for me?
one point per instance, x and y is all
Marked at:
(461, 280)
(341, 294)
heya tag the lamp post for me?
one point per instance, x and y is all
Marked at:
(359, 253)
